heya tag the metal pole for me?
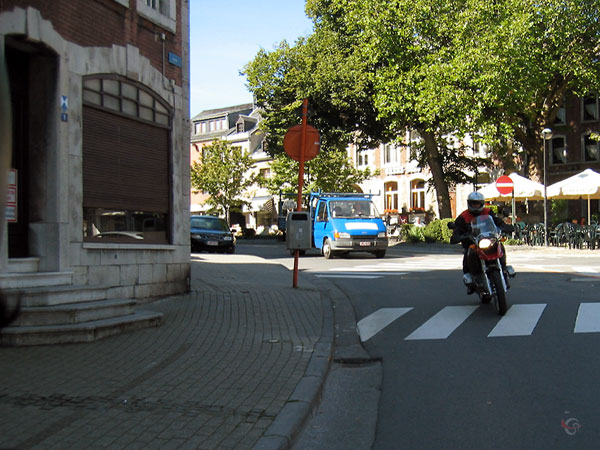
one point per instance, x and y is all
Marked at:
(300, 182)
(545, 198)
(546, 134)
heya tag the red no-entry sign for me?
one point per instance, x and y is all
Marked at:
(292, 142)
(505, 185)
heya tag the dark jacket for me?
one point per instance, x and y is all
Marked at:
(462, 225)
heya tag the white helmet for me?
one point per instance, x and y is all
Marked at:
(475, 202)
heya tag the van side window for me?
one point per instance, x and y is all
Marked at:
(322, 212)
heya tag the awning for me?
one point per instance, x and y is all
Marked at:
(260, 203)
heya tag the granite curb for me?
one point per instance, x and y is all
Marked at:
(340, 343)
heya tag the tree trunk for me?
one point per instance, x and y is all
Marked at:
(434, 161)
(533, 144)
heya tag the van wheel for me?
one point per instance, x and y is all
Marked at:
(379, 253)
(327, 252)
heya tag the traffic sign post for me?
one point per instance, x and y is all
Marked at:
(301, 143)
(505, 186)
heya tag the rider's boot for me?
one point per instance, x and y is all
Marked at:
(479, 280)
(468, 280)
(510, 271)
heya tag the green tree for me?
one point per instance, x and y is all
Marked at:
(498, 70)
(365, 86)
(223, 173)
(328, 171)
(523, 58)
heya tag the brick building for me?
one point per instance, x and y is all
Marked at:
(100, 102)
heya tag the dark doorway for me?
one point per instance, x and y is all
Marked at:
(32, 71)
(18, 70)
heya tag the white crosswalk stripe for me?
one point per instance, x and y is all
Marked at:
(443, 323)
(374, 323)
(588, 318)
(520, 320)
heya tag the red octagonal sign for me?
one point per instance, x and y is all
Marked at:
(505, 185)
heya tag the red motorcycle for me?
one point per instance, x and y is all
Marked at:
(492, 283)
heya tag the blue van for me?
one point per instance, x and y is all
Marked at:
(343, 223)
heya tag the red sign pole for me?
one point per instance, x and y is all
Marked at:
(300, 181)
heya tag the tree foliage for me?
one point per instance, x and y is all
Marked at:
(497, 70)
(223, 173)
(328, 171)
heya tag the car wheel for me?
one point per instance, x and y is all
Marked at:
(231, 250)
(379, 253)
(327, 252)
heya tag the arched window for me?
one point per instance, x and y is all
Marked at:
(417, 194)
(126, 162)
(391, 196)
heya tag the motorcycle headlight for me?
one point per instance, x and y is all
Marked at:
(485, 243)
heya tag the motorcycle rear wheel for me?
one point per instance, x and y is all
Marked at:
(499, 294)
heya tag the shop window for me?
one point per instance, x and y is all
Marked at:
(126, 163)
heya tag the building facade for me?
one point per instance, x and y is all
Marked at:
(100, 167)
(239, 125)
(402, 188)
(573, 146)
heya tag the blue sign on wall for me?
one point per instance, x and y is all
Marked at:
(175, 59)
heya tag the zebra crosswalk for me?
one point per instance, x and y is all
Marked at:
(439, 263)
(378, 270)
(520, 320)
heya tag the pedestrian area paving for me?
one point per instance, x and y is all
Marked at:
(215, 374)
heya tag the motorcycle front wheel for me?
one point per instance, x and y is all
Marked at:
(499, 294)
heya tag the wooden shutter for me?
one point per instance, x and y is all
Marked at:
(125, 163)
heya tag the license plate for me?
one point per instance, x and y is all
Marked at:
(365, 243)
(212, 243)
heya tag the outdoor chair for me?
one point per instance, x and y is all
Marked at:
(560, 236)
(574, 235)
(536, 234)
(588, 236)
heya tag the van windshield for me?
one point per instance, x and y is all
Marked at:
(351, 209)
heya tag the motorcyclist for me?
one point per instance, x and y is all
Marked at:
(462, 229)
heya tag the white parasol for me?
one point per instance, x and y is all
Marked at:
(524, 189)
(585, 184)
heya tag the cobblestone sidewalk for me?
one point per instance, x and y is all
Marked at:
(215, 375)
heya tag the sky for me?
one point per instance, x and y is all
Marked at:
(226, 35)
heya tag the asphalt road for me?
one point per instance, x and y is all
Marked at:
(456, 375)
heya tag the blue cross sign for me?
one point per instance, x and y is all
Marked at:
(64, 102)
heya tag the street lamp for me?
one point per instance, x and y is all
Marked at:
(547, 135)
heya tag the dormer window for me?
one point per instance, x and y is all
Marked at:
(240, 127)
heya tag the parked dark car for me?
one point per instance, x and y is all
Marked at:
(211, 234)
